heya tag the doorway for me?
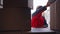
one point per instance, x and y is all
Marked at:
(46, 14)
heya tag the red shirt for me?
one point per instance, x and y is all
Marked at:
(37, 20)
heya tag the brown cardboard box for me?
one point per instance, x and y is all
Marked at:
(16, 19)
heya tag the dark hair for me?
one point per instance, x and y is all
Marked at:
(42, 7)
(39, 7)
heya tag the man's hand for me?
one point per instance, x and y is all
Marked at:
(48, 4)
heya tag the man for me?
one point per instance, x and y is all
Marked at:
(38, 20)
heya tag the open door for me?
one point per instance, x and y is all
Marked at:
(55, 16)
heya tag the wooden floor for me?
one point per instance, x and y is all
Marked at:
(41, 31)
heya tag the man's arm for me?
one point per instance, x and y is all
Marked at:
(50, 2)
(42, 8)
